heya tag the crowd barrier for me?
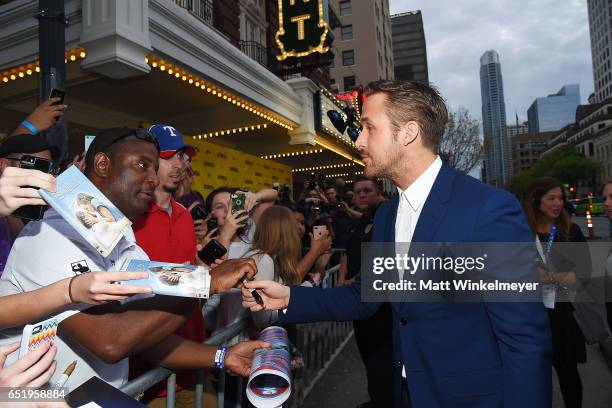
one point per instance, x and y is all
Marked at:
(318, 342)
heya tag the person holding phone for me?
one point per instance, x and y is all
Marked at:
(12, 151)
(42, 118)
(236, 232)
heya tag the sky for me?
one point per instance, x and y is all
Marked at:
(542, 44)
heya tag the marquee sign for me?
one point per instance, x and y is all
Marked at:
(302, 28)
(324, 102)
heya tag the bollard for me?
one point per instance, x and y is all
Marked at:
(589, 221)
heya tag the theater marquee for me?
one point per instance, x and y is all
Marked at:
(302, 29)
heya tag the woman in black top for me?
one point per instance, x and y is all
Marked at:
(550, 224)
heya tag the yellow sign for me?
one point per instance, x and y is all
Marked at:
(218, 166)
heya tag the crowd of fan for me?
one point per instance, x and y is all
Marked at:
(147, 175)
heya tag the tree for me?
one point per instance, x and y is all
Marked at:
(565, 164)
(461, 146)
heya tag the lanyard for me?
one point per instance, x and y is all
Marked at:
(545, 256)
(551, 238)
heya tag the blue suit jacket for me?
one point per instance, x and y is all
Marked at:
(472, 355)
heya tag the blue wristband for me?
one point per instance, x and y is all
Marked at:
(30, 127)
(220, 358)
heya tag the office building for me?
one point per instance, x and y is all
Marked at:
(527, 149)
(497, 160)
(554, 112)
(409, 46)
(362, 46)
(600, 25)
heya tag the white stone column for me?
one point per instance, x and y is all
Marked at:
(306, 132)
(115, 34)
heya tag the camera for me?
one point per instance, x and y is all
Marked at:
(315, 181)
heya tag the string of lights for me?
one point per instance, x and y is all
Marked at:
(205, 86)
(230, 131)
(330, 147)
(327, 167)
(291, 154)
(28, 69)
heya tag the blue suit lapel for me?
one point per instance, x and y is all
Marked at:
(389, 233)
(390, 224)
(434, 209)
(435, 206)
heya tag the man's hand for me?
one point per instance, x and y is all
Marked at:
(78, 161)
(274, 295)
(239, 356)
(230, 274)
(45, 115)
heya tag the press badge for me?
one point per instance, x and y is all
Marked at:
(549, 292)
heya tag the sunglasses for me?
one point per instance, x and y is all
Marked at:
(141, 134)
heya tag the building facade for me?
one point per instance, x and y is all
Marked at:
(527, 149)
(184, 63)
(518, 129)
(497, 151)
(600, 25)
(555, 111)
(362, 48)
(591, 134)
(409, 47)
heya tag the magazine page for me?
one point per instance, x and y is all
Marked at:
(269, 384)
(171, 279)
(94, 217)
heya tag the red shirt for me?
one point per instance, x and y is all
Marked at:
(171, 238)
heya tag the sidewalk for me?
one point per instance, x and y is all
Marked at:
(344, 383)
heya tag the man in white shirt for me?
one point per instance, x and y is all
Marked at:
(122, 163)
(447, 354)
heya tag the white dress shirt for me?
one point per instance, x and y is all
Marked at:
(411, 202)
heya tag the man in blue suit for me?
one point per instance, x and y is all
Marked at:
(470, 354)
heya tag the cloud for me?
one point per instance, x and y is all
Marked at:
(542, 44)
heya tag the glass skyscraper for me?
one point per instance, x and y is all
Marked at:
(554, 112)
(497, 159)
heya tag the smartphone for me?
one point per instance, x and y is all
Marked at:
(211, 252)
(238, 203)
(212, 224)
(33, 212)
(319, 231)
(198, 212)
(57, 93)
(37, 334)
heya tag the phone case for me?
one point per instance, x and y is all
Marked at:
(36, 334)
(318, 231)
(211, 252)
(238, 201)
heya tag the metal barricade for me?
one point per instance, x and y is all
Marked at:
(318, 342)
